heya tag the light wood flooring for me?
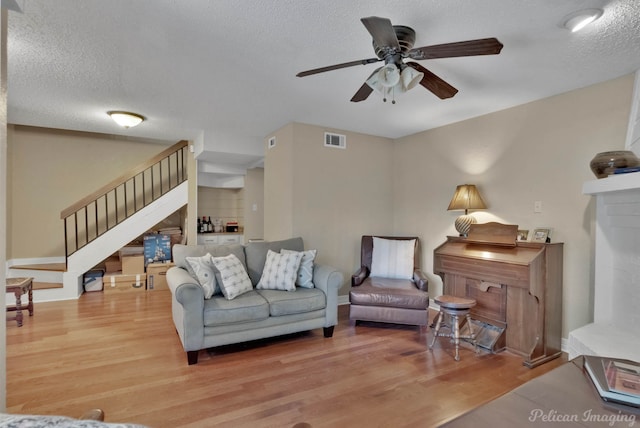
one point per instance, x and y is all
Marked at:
(120, 352)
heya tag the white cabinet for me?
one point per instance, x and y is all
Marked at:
(219, 239)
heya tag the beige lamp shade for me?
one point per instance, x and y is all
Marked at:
(466, 198)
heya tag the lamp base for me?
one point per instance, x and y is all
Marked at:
(463, 224)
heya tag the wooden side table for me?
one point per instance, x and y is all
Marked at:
(20, 286)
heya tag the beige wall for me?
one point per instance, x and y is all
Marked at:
(50, 170)
(333, 196)
(254, 204)
(220, 203)
(535, 152)
(278, 186)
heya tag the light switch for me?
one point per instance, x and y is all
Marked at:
(254, 207)
(537, 207)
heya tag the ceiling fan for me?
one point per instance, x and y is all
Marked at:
(392, 44)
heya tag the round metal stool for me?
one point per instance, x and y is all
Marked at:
(454, 307)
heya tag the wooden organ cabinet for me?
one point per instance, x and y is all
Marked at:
(517, 287)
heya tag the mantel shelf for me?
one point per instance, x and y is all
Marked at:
(613, 183)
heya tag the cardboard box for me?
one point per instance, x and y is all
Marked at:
(133, 265)
(118, 282)
(131, 250)
(157, 248)
(157, 276)
(113, 264)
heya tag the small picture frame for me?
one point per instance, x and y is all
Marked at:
(541, 235)
(523, 235)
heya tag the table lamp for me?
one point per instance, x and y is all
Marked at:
(466, 198)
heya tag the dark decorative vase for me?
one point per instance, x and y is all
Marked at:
(603, 164)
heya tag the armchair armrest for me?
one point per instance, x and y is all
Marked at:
(359, 276)
(421, 280)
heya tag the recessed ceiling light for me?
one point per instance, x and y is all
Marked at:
(581, 18)
(126, 119)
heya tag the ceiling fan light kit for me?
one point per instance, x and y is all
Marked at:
(576, 21)
(392, 44)
(126, 119)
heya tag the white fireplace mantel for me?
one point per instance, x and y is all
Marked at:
(616, 312)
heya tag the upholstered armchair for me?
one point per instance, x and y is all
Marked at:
(389, 286)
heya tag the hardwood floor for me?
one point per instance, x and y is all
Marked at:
(120, 352)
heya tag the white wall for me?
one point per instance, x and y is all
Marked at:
(3, 204)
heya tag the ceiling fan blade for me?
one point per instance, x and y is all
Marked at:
(338, 66)
(362, 94)
(382, 31)
(490, 46)
(435, 84)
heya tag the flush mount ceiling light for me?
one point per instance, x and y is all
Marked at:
(581, 18)
(126, 119)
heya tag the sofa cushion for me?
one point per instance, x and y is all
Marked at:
(280, 271)
(395, 293)
(232, 276)
(256, 254)
(204, 272)
(180, 252)
(305, 271)
(250, 306)
(303, 300)
(392, 258)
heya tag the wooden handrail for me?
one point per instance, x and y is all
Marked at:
(100, 211)
(122, 179)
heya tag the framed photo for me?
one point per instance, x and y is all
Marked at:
(523, 235)
(541, 235)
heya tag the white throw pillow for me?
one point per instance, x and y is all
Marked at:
(280, 271)
(392, 258)
(205, 274)
(305, 271)
(234, 280)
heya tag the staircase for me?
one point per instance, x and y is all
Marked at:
(106, 220)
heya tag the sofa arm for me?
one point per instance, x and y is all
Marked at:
(359, 276)
(187, 307)
(421, 280)
(329, 280)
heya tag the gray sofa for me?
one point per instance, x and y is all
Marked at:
(205, 323)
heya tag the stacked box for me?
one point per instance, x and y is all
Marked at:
(157, 276)
(116, 282)
(157, 248)
(132, 265)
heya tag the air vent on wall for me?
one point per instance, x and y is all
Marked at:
(335, 140)
(272, 142)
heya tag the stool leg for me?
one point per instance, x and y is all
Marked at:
(439, 316)
(456, 334)
(19, 307)
(472, 334)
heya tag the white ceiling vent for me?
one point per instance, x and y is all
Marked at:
(272, 142)
(335, 140)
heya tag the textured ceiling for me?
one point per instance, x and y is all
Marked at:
(224, 70)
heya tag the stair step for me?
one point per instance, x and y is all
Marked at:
(37, 285)
(52, 267)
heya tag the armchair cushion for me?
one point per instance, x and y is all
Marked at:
(389, 292)
(392, 258)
